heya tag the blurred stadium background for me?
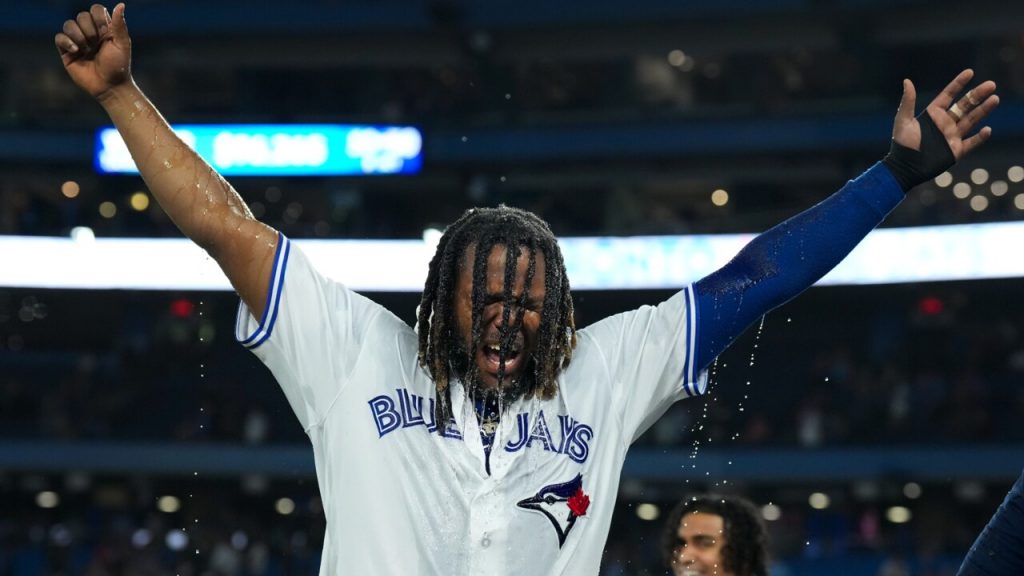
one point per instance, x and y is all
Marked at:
(878, 425)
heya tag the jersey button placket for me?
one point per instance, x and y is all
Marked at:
(486, 518)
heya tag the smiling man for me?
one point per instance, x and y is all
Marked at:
(711, 535)
(491, 438)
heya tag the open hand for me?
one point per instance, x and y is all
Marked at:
(954, 120)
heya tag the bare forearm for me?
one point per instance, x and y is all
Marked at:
(199, 201)
(95, 49)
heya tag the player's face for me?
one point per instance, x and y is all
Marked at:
(485, 353)
(700, 539)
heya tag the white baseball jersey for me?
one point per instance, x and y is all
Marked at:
(399, 497)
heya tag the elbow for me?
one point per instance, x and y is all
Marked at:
(219, 231)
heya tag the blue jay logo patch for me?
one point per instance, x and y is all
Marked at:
(561, 504)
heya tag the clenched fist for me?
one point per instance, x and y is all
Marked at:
(96, 49)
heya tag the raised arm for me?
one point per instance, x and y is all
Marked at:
(999, 549)
(96, 51)
(789, 258)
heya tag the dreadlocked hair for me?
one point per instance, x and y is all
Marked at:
(746, 540)
(486, 228)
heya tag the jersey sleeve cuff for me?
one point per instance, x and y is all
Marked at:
(694, 383)
(250, 333)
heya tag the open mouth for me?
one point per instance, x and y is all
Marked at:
(491, 356)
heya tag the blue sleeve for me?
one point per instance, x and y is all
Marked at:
(784, 261)
(999, 549)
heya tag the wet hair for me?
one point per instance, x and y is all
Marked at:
(441, 351)
(745, 552)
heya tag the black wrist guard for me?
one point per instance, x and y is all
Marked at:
(912, 167)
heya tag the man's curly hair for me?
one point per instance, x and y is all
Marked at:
(745, 552)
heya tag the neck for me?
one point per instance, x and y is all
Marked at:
(488, 407)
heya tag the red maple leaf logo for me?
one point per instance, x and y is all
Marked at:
(579, 502)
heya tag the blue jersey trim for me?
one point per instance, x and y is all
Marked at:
(277, 300)
(691, 368)
(687, 342)
(693, 317)
(269, 318)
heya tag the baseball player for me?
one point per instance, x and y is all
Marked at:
(999, 549)
(490, 438)
(708, 534)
